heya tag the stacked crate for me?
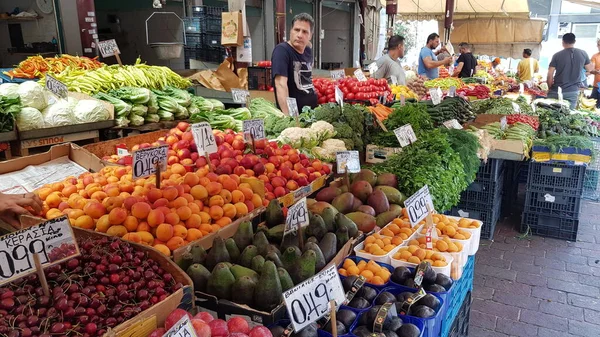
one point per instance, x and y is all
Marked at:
(203, 35)
(591, 184)
(483, 198)
(553, 200)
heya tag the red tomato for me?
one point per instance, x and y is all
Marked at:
(329, 91)
(371, 80)
(349, 96)
(331, 100)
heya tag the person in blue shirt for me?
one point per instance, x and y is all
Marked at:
(428, 62)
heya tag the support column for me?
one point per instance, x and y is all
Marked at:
(553, 19)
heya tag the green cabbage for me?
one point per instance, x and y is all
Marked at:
(8, 89)
(29, 119)
(152, 118)
(88, 111)
(32, 95)
(59, 114)
(140, 110)
(136, 120)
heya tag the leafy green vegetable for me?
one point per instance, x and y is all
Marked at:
(353, 125)
(122, 109)
(502, 106)
(9, 106)
(414, 114)
(261, 108)
(466, 145)
(132, 94)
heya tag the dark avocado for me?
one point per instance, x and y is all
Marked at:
(409, 330)
(341, 328)
(435, 288)
(348, 281)
(392, 323)
(389, 333)
(429, 276)
(359, 303)
(429, 301)
(422, 311)
(400, 275)
(367, 293)
(385, 297)
(277, 330)
(309, 331)
(401, 297)
(346, 316)
(443, 280)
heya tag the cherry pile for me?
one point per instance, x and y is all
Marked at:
(62, 251)
(108, 284)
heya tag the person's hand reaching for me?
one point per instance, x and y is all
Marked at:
(12, 206)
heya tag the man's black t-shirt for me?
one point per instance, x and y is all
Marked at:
(286, 61)
(469, 64)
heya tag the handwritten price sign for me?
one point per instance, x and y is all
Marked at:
(204, 138)
(405, 135)
(297, 216)
(52, 240)
(416, 205)
(255, 127)
(144, 161)
(337, 74)
(452, 124)
(108, 48)
(360, 76)
(183, 328)
(56, 87)
(239, 96)
(292, 106)
(347, 160)
(309, 300)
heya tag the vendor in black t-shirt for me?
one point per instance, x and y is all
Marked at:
(292, 63)
(466, 62)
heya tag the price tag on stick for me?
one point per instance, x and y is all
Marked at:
(56, 87)
(204, 138)
(360, 76)
(53, 241)
(109, 48)
(297, 216)
(309, 300)
(436, 98)
(239, 95)
(452, 91)
(339, 97)
(337, 74)
(292, 106)
(183, 328)
(255, 127)
(144, 161)
(560, 94)
(452, 124)
(372, 68)
(347, 161)
(405, 135)
(416, 205)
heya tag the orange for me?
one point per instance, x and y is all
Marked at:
(367, 274)
(353, 270)
(216, 212)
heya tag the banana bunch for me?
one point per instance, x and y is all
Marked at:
(114, 77)
(588, 104)
(402, 90)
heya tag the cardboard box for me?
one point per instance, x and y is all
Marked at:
(108, 148)
(268, 95)
(376, 154)
(508, 149)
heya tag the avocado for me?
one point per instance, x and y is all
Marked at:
(392, 323)
(400, 275)
(342, 220)
(184, 261)
(385, 297)
(429, 301)
(348, 282)
(341, 328)
(346, 316)
(242, 291)
(370, 315)
(241, 271)
(273, 257)
(220, 282)
(199, 275)
(243, 235)
(285, 279)
(274, 249)
(304, 267)
(329, 216)
(290, 239)
(444, 281)
(275, 234)
(367, 293)
(430, 275)
(312, 239)
(247, 255)
(316, 226)
(309, 331)
(232, 249)
(328, 246)
(274, 214)
(342, 236)
(261, 242)
(363, 331)
(289, 256)
(277, 330)
(359, 303)
(320, 262)
(218, 253)
(435, 288)
(390, 333)
(267, 294)
(409, 330)
(421, 311)
(257, 263)
(410, 283)
(401, 297)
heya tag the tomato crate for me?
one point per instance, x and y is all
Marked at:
(491, 170)
(549, 226)
(259, 78)
(461, 291)
(483, 193)
(570, 178)
(556, 204)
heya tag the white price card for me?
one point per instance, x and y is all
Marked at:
(108, 48)
(339, 96)
(309, 300)
(521, 89)
(144, 161)
(503, 123)
(560, 95)
(56, 87)
(436, 98)
(347, 160)
(337, 74)
(453, 124)
(452, 91)
(516, 108)
(292, 106)
(416, 205)
(372, 68)
(360, 76)
(255, 127)
(402, 100)
(204, 138)
(297, 217)
(239, 95)
(405, 135)
(52, 240)
(183, 328)
(394, 80)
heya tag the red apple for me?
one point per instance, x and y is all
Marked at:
(246, 162)
(239, 144)
(239, 170)
(219, 139)
(258, 168)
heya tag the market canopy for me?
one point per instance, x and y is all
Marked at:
(435, 9)
(589, 3)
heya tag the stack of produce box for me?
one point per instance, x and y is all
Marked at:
(482, 199)
(553, 199)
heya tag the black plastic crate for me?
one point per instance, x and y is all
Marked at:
(555, 175)
(489, 215)
(259, 78)
(193, 40)
(207, 11)
(550, 226)
(211, 40)
(460, 326)
(198, 25)
(483, 193)
(523, 172)
(556, 204)
(490, 170)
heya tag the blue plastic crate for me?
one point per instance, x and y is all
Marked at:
(357, 259)
(419, 322)
(323, 333)
(460, 289)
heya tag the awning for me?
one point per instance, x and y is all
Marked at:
(434, 9)
(589, 3)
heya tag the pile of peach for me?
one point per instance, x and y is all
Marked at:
(188, 205)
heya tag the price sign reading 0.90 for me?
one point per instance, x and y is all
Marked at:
(204, 138)
(255, 127)
(309, 300)
(297, 216)
(52, 240)
(416, 205)
(144, 161)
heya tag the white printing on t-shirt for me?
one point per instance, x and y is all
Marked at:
(303, 76)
